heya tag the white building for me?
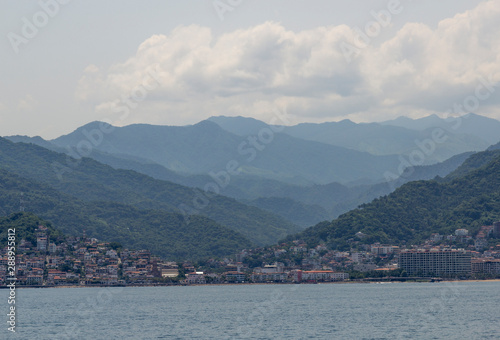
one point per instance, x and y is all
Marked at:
(319, 275)
(277, 267)
(195, 278)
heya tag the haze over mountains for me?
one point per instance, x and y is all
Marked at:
(206, 147)
(470, 132)
(283, 178)
(315, 174)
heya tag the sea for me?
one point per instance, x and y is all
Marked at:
(439, 310)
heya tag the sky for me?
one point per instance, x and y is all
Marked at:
(66, 63)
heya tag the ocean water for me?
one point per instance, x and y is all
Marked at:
(464, 310)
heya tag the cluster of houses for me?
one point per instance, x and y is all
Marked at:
(86, 261)
(77, 261)
(483, 258)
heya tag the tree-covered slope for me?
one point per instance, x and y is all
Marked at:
(92, 181)
(25, 225)
(164, 233)
(474, 162)
(305, 205)
(417, 209)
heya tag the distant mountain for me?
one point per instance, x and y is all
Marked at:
(472, 124)
(417, 209)
(375, 138)
(206, 147)
(92, 181)
(312, 203)
(37, 140)
(240, 126)
(423, 123)
(300, 213)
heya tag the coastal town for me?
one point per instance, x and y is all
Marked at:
(86, 261)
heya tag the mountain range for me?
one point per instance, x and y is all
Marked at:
(241, 181)
(288, 168)
(206, 148)
(470, 132)
(91, 181)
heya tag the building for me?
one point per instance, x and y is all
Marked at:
(434, 262)
(318, 275)
(234, 276)
(486, 266)
(379, 249)
(277, 267)
(496, 229)
(169, 272)
(196, 278)
(269, 277)
(41, 243)
(41, 238)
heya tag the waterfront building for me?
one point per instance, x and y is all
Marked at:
(318, 276)
(486, 266)
(269, 277)
(434, 262)
(234, 276)
(196, 278)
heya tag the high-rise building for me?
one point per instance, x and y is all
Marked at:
(496, 229)
(42, 241)
(435, 262)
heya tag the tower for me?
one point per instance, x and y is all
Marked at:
(21, 203)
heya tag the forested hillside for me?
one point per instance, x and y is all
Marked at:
(163, 233)
(89, 180)
(417, 209)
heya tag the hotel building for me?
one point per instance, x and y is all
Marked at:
(433, 262)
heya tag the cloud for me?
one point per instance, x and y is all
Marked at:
(417, 71)
(27, 104)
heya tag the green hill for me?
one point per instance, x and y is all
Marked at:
(25, 225)
(417, 209)
(305, 205)
(164, 233)
(89, 180)
(474, 162)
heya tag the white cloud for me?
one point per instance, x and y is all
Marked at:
(27, 103)
(250, 72)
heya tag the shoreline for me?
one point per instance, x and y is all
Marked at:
(250, 284)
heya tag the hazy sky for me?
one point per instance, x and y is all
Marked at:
(66, 63)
